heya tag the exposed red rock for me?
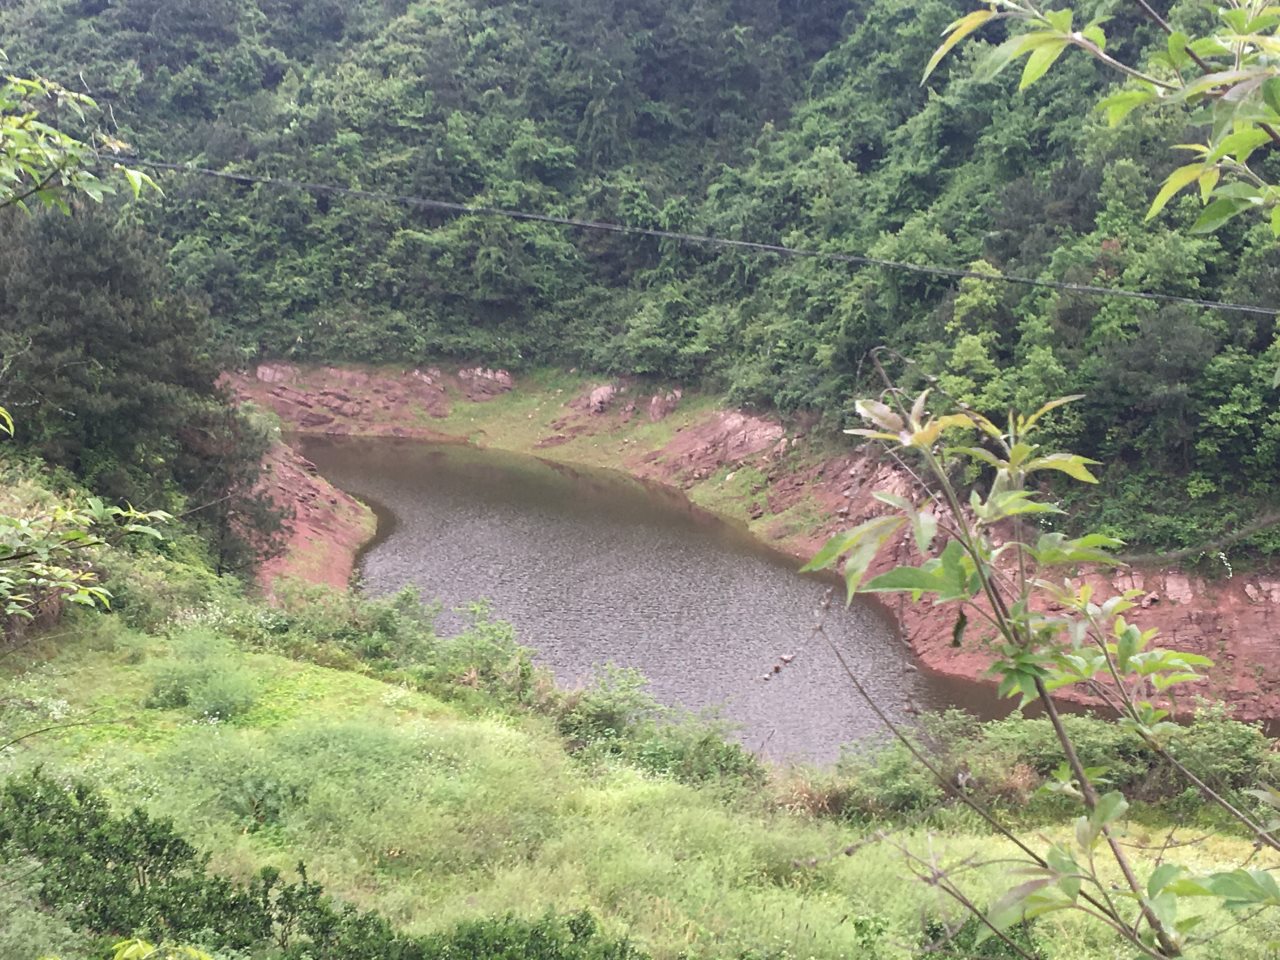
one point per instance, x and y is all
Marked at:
(352, 401)
(326, 527)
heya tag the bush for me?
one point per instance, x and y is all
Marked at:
(151, 591)
(617, 717)
(962, 940)
(1004, 762)
(392, 637)
(204, 676)
(613, 707)
(134, 873)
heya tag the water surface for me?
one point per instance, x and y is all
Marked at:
(593, 567)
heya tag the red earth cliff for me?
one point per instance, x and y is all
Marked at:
(1232, 621)
(325, 527)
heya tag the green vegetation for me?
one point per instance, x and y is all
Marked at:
(804, 123)
(195, 773)
(441, 784)
(1046, 635)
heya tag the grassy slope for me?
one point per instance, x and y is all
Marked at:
(432, 814)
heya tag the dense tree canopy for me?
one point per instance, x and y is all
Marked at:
(754, 119)
(112, 375)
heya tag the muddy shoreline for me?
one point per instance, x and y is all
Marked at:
(1232, 621)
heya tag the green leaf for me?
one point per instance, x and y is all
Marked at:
(863, 555)
(1177, 46)
(925, 528)
(1012, 503)
(1051, 405)
(1271, 93)
(956, 32)
(1244, 889)
(831, 551)
(1060, 20)
(1120, 105)
(881, 414)
(862, 543)
(135, 180)
(1161, 877)
(1219, 212)
(978, 453)
(1268, 795)
(1005, 54)
(1208, 47)
(1009, 909)
(1111, 807)
(1239, 144)
(1208, 180)
(1074, 466)
(1180, 178)
(906, 578)
(1038, 64)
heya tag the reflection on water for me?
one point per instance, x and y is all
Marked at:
(593, 567)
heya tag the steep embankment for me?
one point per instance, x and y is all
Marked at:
(325, 526)
(786, 487)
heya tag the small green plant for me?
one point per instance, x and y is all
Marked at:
(40, 163)
(44, 559)
(1226, 79)
(1011, 583)
(203, 676)
(617, 717)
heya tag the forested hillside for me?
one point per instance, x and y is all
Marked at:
(764, 120)
(259, 769)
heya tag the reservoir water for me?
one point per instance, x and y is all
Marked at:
(593, 567)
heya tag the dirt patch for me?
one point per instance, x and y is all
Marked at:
(1234, 622)
(325, 526)
(724, 438)
(341, 401)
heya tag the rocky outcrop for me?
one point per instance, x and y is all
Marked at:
(661, 405)
(341, 401)
(599, 399)
(482, 383)
(726, 437)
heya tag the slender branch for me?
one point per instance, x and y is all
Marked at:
(39, 186)
(1167, 945)
(56, 726)
(1260, 832)
(1205, 68)
(1095, 51)
(945, 782)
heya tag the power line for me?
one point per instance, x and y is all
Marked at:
(773, 249)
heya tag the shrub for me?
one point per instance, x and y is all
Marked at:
(1004, 762)
(615, 705)
(204, 676)
(963, 940)
(151, 591)
(134, 873)
(617, 717)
